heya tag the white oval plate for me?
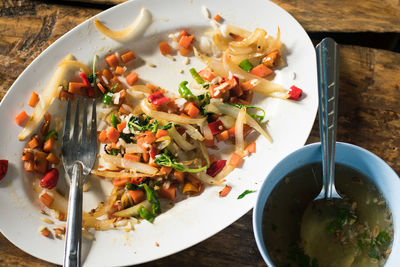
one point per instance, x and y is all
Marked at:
(195, 219)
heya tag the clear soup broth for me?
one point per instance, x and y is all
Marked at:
(359, 235)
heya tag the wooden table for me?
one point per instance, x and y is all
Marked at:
(369, 92)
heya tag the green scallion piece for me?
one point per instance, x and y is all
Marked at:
(114, 121)
(196, 76)
(107, 98)
(52, 133)
(246, 65)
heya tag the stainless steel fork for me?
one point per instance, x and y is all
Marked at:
(79, 155)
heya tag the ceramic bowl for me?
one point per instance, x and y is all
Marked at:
(353, 156)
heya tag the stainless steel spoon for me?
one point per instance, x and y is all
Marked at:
(328, 77)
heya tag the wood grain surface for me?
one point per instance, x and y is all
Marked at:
(369, 109)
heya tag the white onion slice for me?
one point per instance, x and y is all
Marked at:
(193, 132)
(182, 143)
(136, 28)
(129, 164)
(239, 140)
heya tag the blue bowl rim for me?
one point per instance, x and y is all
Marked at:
(259, 206)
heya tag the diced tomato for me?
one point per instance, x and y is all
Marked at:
(3, 168)
(88, 86)
(216, 127)
(158, 98)
(49, 181)
(295, 93)
(216, 167)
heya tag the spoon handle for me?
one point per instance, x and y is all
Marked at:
(328, 77)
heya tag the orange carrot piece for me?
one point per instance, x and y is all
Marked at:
(183, 33)
(146, 157)
(212, 158)
(165, 49)
(120, 182)
(46, 199)
(33, 143)
(225, 191)
(21, 117)
(76, 88)
(235, 160)
(160, 133)
(40, 162)
(217, 18)
(168, 193)
(45, 232)
(247, 85)
(48, 145)
(26, 155)
(115, 146)
(185, 41)
(151, 86)
(119, 70)
(166, 170)
(206, 75)
(132, 157)
(33, 100)
(180, 176)
(251, 148)
(107, 74)
(52, 158)
(132, 78)
(112, 60)
(261, 71)
(123, 111)
(223, 136)
(121, 126)
(149, 137)
(112, 134)
(101, 88)
(191, 110)
(28, 166)
(185, 51)
(137, 196)
(128, 56)
(209, 142)
(103, 136)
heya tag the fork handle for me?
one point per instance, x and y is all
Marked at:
(72, 255)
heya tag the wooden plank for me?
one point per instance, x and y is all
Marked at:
(331, 16)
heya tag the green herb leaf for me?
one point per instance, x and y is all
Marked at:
(246, 65)
(151, 196)
(115, 151)
(134, 187)
(196, 76)
(260, 118)
(246, 192)
(127, 137)
(141, 124)
(52, 133)
(167, 126)
(166, 159)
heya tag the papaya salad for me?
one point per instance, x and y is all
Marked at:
(155, 146)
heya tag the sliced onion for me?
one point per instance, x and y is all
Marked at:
(252, 38)
(133, 211)
(239, 140)
(206, 131)
(225, 171)
(227, 121)
(167, 116)
(234, 112)
(46, 98)
(140, 88)
(77, 64)
(227, 29)
(211, 108)
(207, 179)
(163, 142)
(133, 148)
(204, 152)
(133, 30)
(129, 164)
(120, 174)
(182, 143)
(193, 132)
(91, 222)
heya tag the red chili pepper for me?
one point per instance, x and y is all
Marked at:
(49, 181)
(158, 98)
(295, 93)
(216, 127)
(88, 86)
(3, 168)
(216, 167)
(153, 152)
